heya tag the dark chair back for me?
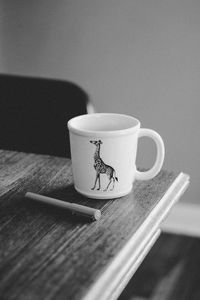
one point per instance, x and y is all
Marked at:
(34, 114)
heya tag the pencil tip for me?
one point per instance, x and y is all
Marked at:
(97, 214)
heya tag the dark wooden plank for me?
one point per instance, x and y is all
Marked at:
(169, 272)
(47, 253)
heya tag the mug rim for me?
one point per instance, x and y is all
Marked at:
(118, 132)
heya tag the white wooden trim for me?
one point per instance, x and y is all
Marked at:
(123, 265)
(133, 268)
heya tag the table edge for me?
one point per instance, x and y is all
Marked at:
(116, 276)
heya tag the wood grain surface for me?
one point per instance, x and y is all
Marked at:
(47, 253)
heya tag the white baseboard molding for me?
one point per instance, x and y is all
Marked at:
(184, 219)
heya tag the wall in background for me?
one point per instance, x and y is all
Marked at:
(135, 57)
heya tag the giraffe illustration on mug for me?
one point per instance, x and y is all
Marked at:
(102, 168)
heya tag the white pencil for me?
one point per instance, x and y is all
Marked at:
(86, 211)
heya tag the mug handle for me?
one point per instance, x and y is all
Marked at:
(159, 158)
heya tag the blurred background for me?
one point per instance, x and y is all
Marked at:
(135, 57)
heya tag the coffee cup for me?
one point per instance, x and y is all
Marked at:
(103, 151)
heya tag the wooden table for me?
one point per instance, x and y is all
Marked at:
(47, 253)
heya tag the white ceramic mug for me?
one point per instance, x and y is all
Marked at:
(103, 152)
